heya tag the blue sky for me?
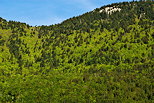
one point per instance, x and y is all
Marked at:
(47, 12)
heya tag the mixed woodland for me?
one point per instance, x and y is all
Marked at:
(92, 58)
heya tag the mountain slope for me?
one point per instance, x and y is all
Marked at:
(106, 55)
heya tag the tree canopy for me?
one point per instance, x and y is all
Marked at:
(92, 58)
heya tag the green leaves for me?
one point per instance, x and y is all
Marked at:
(93, 58)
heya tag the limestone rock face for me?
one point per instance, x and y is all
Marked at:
(110, 10)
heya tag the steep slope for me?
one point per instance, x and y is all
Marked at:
(103, 56)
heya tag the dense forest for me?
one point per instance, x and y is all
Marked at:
(103, 56)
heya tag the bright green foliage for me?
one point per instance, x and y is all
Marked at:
(92, 58)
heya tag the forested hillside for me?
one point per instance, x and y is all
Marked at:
(103, 56)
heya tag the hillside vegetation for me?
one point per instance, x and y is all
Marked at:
(103, 56)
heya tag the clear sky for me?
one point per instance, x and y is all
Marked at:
(47, 12)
